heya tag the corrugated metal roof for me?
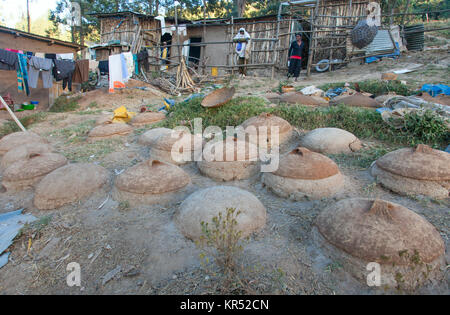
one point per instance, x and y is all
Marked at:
(380, 44)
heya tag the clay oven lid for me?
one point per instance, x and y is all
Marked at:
(421, 162)
(380, 231)
(147, 118)
(267, 120)
(218, 97)
(152, 177)
(357, 100)
(304, 164)
(16, 139)
(231, 147)
(110, 129)
(34, 165)
(183, 139)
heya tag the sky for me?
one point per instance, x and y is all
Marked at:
(11, 11)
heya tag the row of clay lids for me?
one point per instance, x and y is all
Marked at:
(152, 177)
(106, 128)
(355, 100)
(421, 162)
(302, 163)
(379, 231)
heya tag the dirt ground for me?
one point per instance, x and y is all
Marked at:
(143, 243)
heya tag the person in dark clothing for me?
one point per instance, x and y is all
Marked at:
(296, 54)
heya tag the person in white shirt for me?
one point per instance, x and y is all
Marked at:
(242, 40)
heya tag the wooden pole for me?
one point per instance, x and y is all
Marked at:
(178, 36)
(312, 45)
(28, 16)
(203, 54)
(12, 115)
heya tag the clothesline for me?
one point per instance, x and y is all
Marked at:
(30, 65)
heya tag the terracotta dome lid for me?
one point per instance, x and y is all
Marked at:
(24, 151)
(110, 129)
(16, 139)
(233, 150)
(218, 97)
(182, 138)
(380, 231)
(421, 162)
(34, 165)
(358, 100)
(147, 118)
(267, 120)
(299, 98)
(304, 164)
(152, 177)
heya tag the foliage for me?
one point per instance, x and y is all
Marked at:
(223, 241)
(65, 104)
(11, 126)
(427, 127)
(376, 87)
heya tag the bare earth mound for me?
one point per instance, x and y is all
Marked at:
(68, 184)
(204, 205)
(359, 231)
(357, 100)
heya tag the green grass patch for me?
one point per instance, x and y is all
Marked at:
(361, 159)
(92, 151)
(376, 87)
(27, 121)
(65, 104)
(363, 123)
(76, 133)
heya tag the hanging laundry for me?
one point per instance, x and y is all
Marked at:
(129, 63)
(50, 56)
(136, 64)
(37, 66)
(15, 51)
(81, 73)
(63, 70)
(8, 60)
(22, 74)
(103, 66)
(39, 55)
(64, 56)
(116, 66)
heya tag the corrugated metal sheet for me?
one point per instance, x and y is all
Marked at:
(381, 44)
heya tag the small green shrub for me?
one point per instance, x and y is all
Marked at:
(65, 104)
(376, 87)
(427, 127)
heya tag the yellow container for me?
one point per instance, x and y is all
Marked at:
(214, 71)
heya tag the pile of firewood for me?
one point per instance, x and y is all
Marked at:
(184, 80)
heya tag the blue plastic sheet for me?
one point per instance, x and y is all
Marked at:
(436, 89)
(332, 93)
(10, 225)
